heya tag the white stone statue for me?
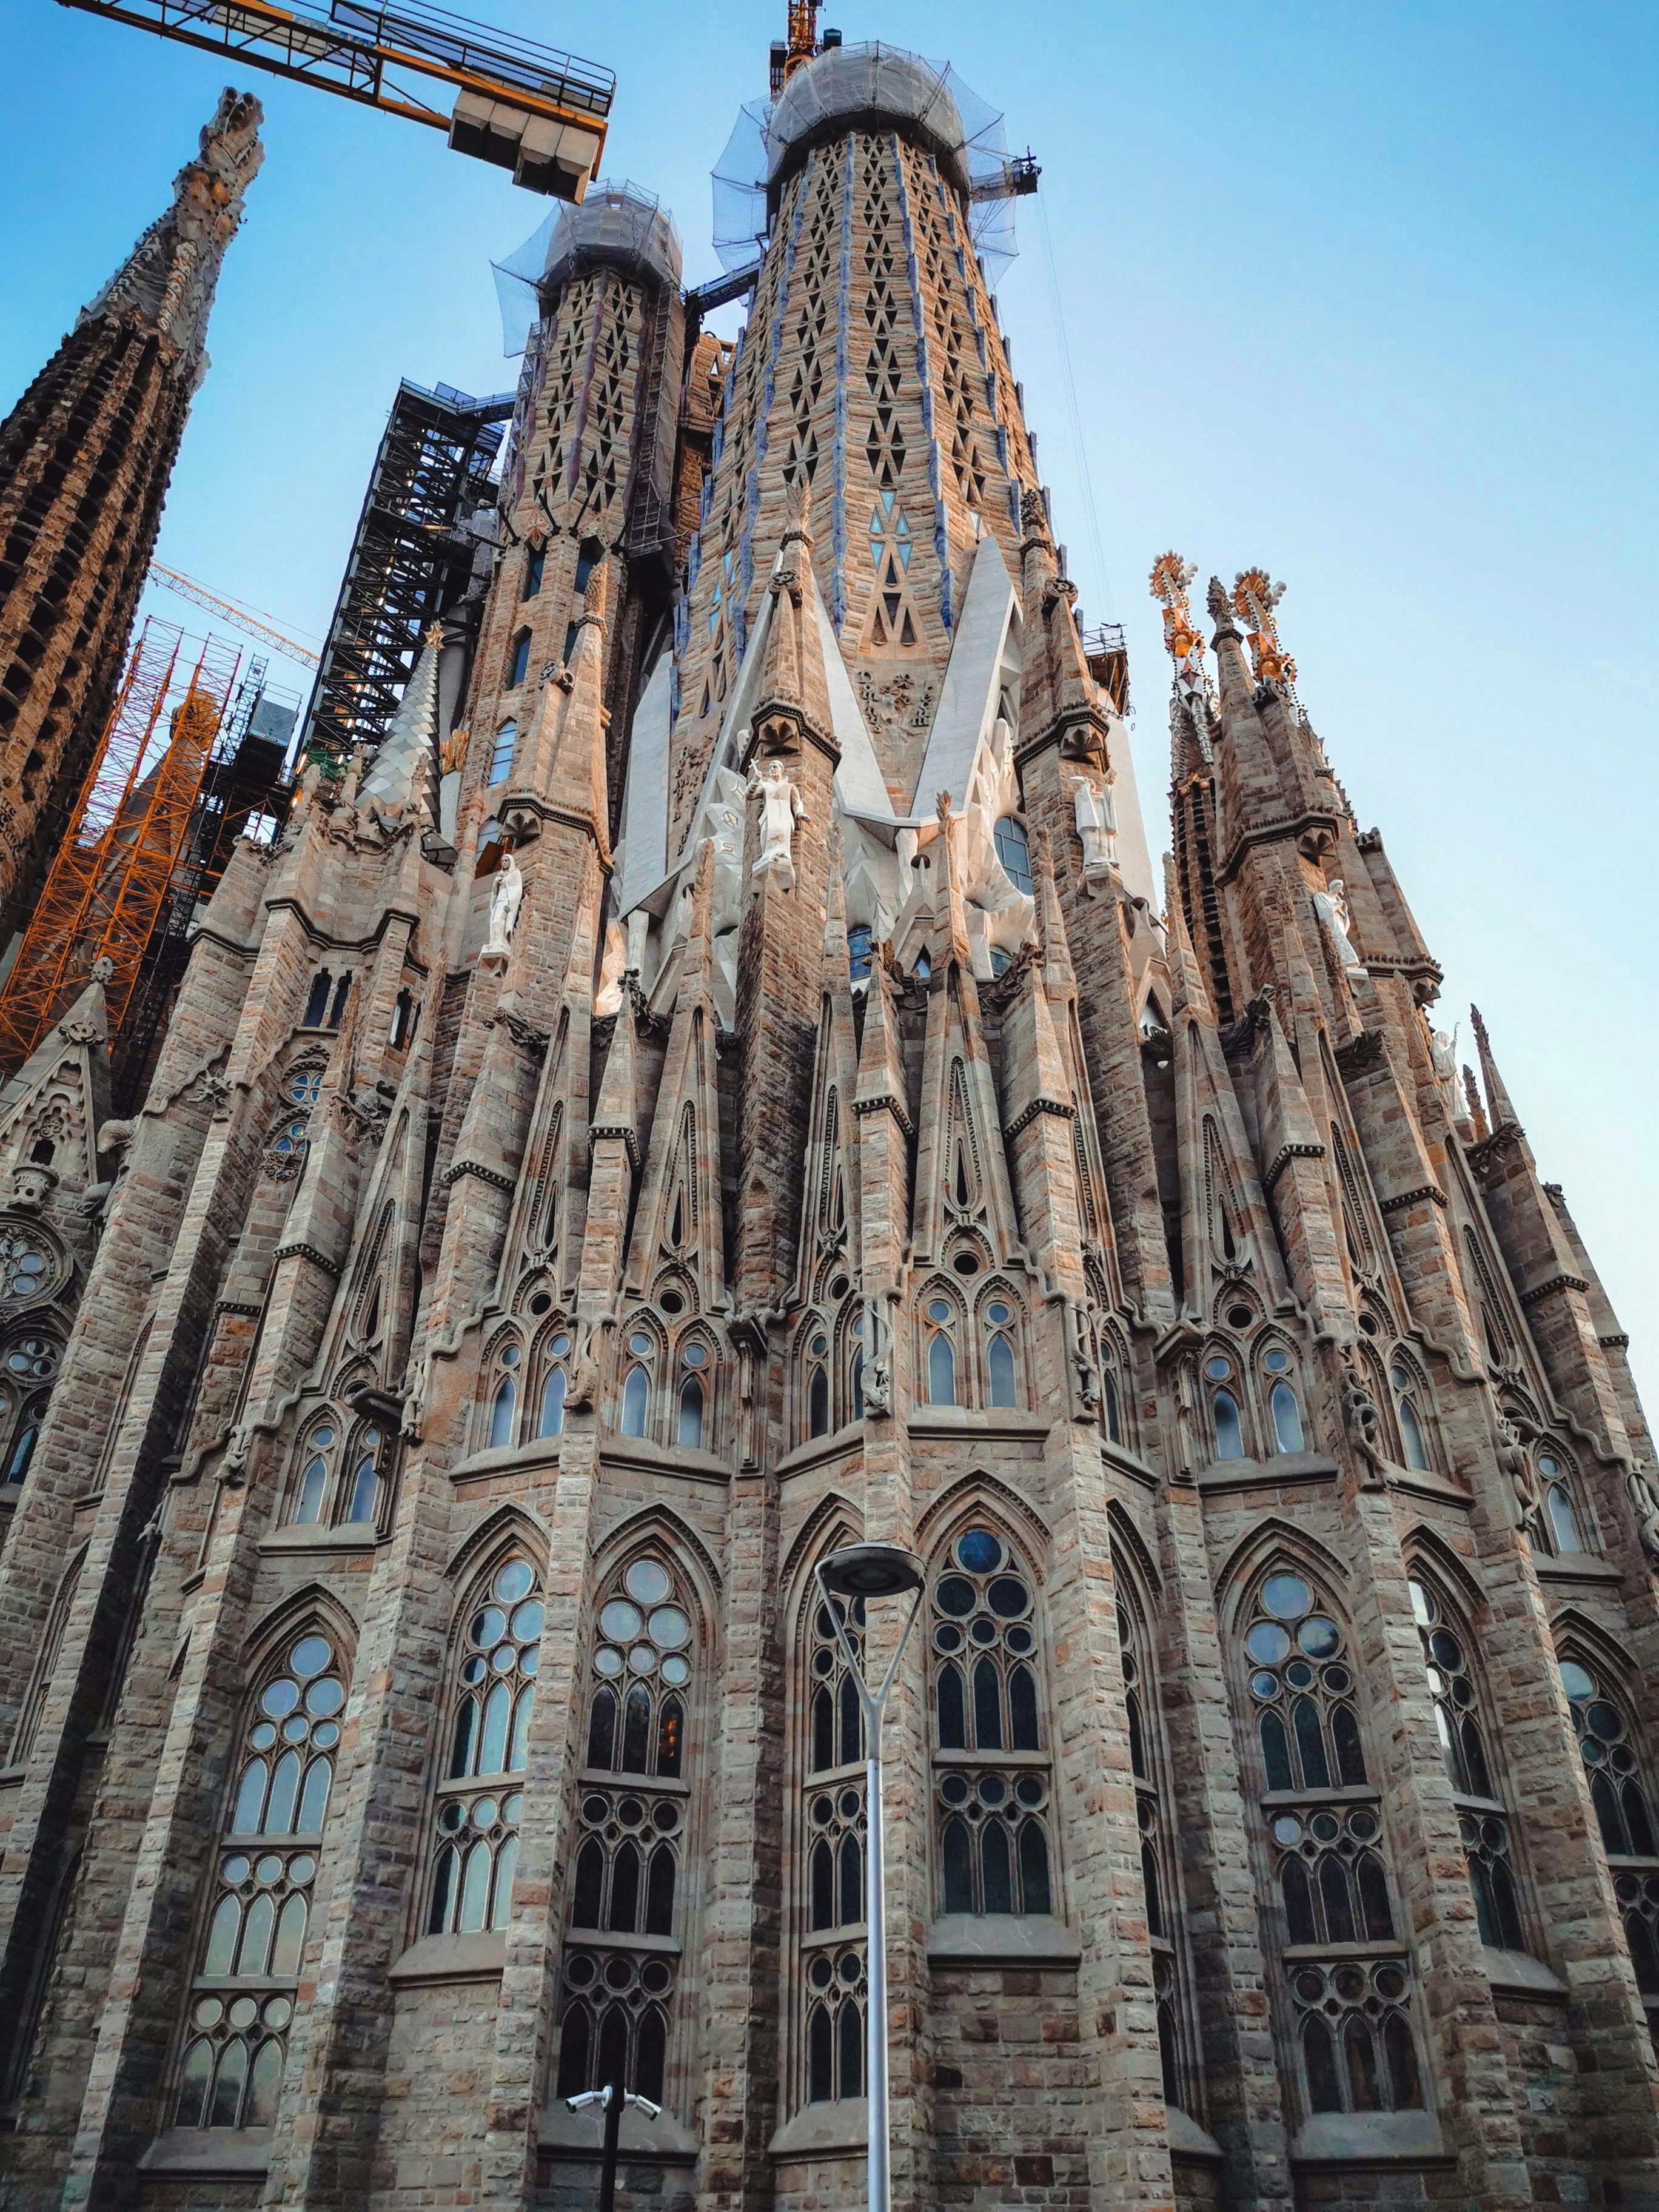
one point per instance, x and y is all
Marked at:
(505, 902)
(1096, 821)
(607, 999)
(1332, 908)
(781, 809)
(1444, 1052)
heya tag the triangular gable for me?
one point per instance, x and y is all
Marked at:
(967, 699)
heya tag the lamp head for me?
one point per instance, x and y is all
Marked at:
(871, 1571)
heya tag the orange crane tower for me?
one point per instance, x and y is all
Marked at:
(103, 894)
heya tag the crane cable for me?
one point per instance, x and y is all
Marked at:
(1102, 577)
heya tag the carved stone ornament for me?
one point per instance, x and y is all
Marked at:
(1360, 1413)
(586, 1378)
(1083, 1366)
(1516, 1460)
(877, 1378)
(1645, 1506)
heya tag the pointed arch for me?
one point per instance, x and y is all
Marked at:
(1128, 1539)
(1422, 1540)
(508, 1526)
(1258, 1548)
(980, 1490)
(661, 1524)
(311, 1604)
(835, 1508)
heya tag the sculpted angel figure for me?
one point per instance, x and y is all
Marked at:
(1332, 906)
(781, 809)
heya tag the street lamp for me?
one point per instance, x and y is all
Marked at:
(611, 2101)
(865, 1571)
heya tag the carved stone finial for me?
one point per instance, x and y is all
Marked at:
(1220, 606)
(1033, 522)
(797, 505)
(1256, 596)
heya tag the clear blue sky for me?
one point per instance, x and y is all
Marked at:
(1364, 294)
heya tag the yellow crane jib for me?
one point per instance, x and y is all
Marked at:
(533, 109)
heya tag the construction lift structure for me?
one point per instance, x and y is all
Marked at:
(410, 561)
(540, 112)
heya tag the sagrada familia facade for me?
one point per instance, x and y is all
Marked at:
(723, 1081)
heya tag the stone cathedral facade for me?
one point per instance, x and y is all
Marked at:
(733, 1088)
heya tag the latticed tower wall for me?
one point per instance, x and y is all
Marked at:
(873, 365)
(84, 462)
(593, 438)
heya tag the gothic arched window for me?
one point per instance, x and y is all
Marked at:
(1283, 1411)
(834, 1837)
(1608, 1744)
(402, 1031)
(635, 1410)
(362, 1495)
(1000, 1321)
(550, 1421)
(1565, 1526)
(1413, 1436)
(534, 560)
(818, 1384)
(860, 951)
(245, 1988)
(1159, 1862)
(1322, 1815)
(501, 759)
(633, 1807)
(993, 1844)
(940, 1352)
(518, 659)
(316, 1012)
(1482, 1821)
(476, 1825)
(692, 1431)
(316, 1464)
(1219, 1373)
(28, 1372)
(504, 1398)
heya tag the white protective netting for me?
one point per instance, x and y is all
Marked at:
(615, 222)
(853, 80)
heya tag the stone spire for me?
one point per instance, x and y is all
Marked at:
(85, 457)
(1502, 1113)
(406, 767)
(166, 284)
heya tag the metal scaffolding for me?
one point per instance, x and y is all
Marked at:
(412, 559)
(242, 787)
(104, 891)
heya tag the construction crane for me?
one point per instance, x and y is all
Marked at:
(529, 108)
(251, 625)
(108, 879)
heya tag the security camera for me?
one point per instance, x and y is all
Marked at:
(644, 2105)
(600, 2097)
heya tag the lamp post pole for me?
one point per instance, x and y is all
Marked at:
(865, 1571)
